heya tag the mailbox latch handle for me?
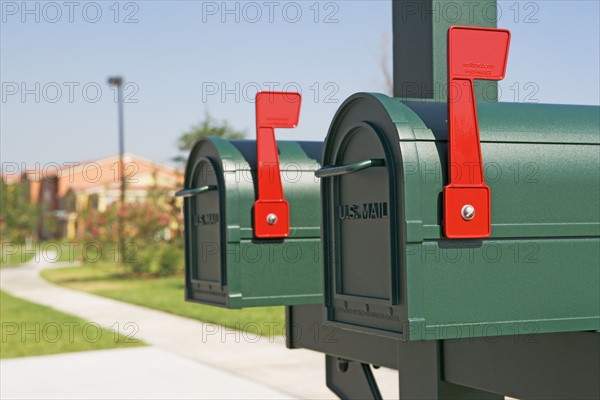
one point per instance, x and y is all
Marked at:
(473, 53)
(334, 170)
(271, 210)
(195, 191)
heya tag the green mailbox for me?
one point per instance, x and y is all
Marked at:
(252, 215)
(456, 220)
(389, 267)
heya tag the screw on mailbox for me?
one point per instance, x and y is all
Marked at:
(271, 219)
(467, 212)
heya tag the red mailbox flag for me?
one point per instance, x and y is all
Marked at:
(271, 210)
(473, 53)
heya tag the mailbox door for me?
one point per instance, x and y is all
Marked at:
(362, 225)
(204, 230)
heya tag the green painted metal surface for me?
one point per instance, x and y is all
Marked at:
(420, 45)
(225, 264)
(390, 271)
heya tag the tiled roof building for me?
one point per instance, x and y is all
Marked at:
(95, 184)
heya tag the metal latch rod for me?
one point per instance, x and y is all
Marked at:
(327, 172)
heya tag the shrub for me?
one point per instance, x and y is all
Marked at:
(171, 259)
(144, 262)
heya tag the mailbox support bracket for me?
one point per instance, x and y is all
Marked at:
(350, 379)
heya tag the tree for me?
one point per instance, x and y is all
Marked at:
(207, 127)
(18, 216)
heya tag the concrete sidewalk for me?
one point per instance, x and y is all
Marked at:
(261, 360)
(138, 373)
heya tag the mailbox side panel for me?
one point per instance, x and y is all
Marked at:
(266, 272)
(539, 272)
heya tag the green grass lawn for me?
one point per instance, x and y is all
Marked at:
(165, 294)
(49, 251)
(29, 329)
(14, 254)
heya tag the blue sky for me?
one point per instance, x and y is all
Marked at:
(181, 59)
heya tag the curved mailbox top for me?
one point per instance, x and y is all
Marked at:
(539, 158)
(237, 162)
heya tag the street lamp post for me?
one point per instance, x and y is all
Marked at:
(118, 82)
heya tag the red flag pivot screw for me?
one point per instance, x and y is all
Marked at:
(468, 212)
(271, 219)
(271, 210)
(473, 53)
